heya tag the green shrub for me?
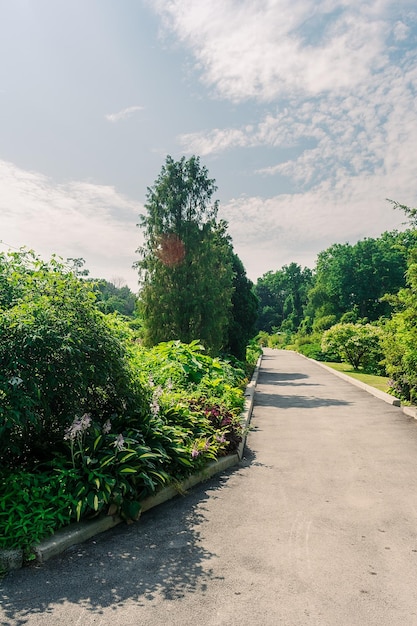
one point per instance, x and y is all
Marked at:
(59, 357)
(357, 344)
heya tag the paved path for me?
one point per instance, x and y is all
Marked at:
(317, 526)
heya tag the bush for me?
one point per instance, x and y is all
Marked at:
(357, 344)
(59, 357)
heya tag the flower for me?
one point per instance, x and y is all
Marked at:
(154, 405)
(194, 453)
(106, 427)
(73, 430)
(78, 426)
(15, 381)
(155, 408)
(85, 421)
(119, 443)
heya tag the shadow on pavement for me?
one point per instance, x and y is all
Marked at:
(270, 377)
(282, 401)
(161, 555)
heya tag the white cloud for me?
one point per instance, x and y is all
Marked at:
(123, 114)
(370, 130)
(74, 219)
(276, 48)
(271, 232)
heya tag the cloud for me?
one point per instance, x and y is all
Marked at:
(337, 136)
(75, 219)
(271, 232)
(283, 48)
(123, 114)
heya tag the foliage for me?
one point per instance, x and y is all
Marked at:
(32, 506)
(113, 299)
(185, 267)
(354, 278)
(113, 470)
(59, 357)
(410, 212)
(282, 297)
(186, 367)
(244, 311)
(357, 344)
(399, 338)
(253, 352)
(312, 350)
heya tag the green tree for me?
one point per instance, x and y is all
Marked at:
(185, 268)
(244, 311)
(282, 297)
(112, 299)
(357, 344)
(354, 278)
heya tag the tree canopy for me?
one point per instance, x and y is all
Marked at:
(282, 297)
(185, 269)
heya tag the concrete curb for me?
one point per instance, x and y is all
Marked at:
(386, 397)
(410, 411)
(82, 531)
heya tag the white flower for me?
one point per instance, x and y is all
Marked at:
(106, 427)
(15, 381)
(119, 443)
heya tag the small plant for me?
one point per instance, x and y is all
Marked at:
(113, 471)
(33, 505)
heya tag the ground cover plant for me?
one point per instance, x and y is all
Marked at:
(92, 422)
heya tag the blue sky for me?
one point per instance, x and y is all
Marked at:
(304, 111)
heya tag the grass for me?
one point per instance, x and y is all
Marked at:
(379, 382)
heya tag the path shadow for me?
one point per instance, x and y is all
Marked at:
(161, 555)
(282, 401)
(281, 379)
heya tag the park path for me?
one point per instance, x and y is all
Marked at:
(317, 526)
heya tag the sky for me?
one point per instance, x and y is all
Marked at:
(303, 111)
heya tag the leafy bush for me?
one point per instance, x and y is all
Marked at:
(59, 357)
(312, 350)
(399, 339)
(357, 344)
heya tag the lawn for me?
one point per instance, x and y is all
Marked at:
(379, 382)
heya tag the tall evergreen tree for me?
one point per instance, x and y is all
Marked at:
(185, 267)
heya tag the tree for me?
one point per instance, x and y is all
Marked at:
(357, 344)
(185, 268)
(244, 311)
(282, 296)
(112, 299)
(354, 279)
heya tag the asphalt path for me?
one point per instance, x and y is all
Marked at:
(317, 525)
